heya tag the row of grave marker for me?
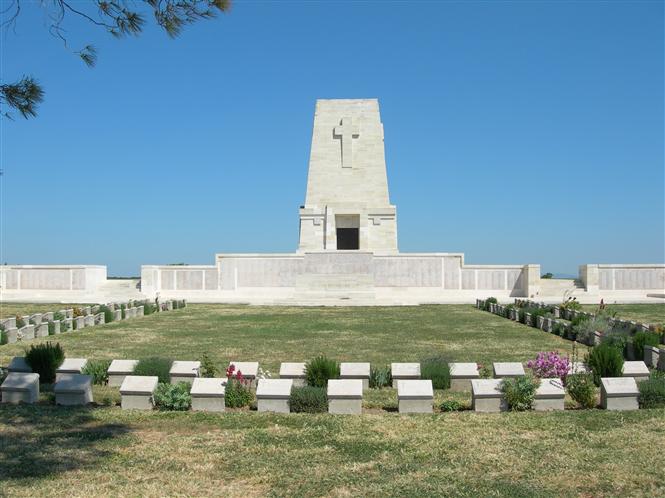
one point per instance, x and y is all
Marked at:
(654, 357)
(415, 395)
(37, 324)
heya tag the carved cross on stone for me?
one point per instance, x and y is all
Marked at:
(346, 132)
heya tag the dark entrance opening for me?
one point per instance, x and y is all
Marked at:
(348, 238)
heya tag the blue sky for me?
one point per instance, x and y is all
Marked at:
(516, 132)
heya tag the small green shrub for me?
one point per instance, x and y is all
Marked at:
(308, 399)
(154, 366)
(237, 394)
(585, 327)
(319, 370)
(451, 405)
(570, 304)
(98, 370)
(605, 360)
(108, 314)
(3, 335)
(617, 338)
(149, 308)
(380, 377)
(488, 301)
(652, 391)
(208, 368)
(174, 397)
(44, 359)
(519, 392)
(58, 316)
(642, 339)
(485, 371)
(437, 370)
(582, 389)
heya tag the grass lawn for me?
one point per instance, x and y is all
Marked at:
(103, 451)
(12, 309)
(643, 313)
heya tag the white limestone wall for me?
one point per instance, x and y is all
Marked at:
(175, 279)
(31, 279)
(394, 278)
(623, 277)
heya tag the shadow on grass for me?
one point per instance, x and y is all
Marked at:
(38, 441)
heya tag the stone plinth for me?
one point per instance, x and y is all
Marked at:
(20, 387)
(486, 395)
(549, 395)
(73, 389)
(12, 335)
(272, 395)
(208, 394)
(415, 396)
(461, 375)
(184, 371)
(577, 367)
(651, 355)
(619, 393)
(355, 371)
(137, 391)
(117, 315)
(404, 371)
(636, 369)
(249, 370)
(70, 366)
(89, 320)
(507, 370)
(293, 371)
(345, 396)
(27, 332)
(80, 322)
(119, 369)
(41, 330)
(19, 365)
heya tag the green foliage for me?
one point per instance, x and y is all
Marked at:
(237, 394)
(3, 335)
(436, 368)
(582, 389)
(149, 308)
(44, 359)
(380, 377)
(208, 368)
(547, 275)
(308, 399)
(617, 338)
(451, 405)
(642, 339)
(58, 316)
(584, 327)
(51, 328)
(174, 397)
(488, 301)
(154, 366)
(108, 314)
(652, 391)
(520, 392)
(98, 370)
(319, 370)
(23, 95)
(605, 360)
(20, 322)
(485, 371)
(570, 304)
